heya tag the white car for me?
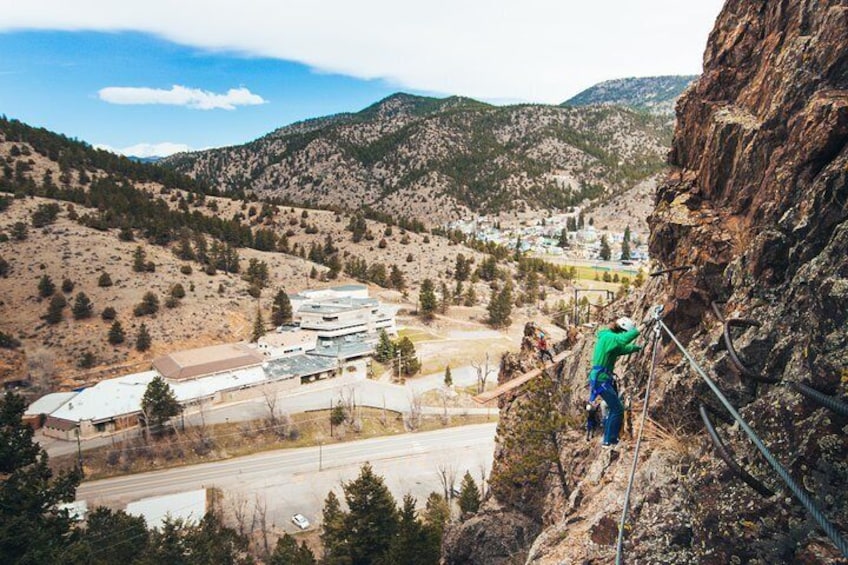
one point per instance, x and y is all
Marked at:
(300, 521)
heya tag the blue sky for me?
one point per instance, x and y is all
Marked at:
(191, 74)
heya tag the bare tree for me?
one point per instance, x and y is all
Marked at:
(260, 508)
(482, 374)
(447, 476)
(483, 482)
(241, 510)
(413, 418)
(269, 395)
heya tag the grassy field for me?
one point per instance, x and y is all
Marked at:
(417, 335)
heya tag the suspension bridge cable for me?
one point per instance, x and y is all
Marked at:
(620, 543)
(810, 505)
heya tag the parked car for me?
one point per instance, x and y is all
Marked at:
(300, 521)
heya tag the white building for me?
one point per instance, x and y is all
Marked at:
(342, 311)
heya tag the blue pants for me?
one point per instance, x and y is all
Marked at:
(612, 423)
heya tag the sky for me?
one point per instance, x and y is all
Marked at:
(161, 76)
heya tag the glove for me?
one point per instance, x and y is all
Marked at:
(589, 407)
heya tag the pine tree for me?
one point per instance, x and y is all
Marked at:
(281, 309)
(142, 341)
(469, 495)
(427, 298)
(159, 403)
(31, 531)
(470, 298)
(396, 278)
(82, 307)
(625, 250)
(45, 286)
(104, 280)
(56, 309)
(563, 238)
(288, 552)
(385, 350)
(116, 333)
(139, 256)
(409, 364)
(68, 285)
(415, 543)
(605, 252)
(500, 306)
(258, 327)
(372, 520)
(532, 447)
(448, 377)
(334, 536)
(437, 512)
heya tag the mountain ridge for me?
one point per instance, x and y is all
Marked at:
(655, 95)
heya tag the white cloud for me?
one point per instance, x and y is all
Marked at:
(180, 96)
(537, 50)
(148, 149)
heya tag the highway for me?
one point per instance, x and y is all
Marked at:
(290, 481)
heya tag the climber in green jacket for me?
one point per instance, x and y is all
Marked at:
(613, 342)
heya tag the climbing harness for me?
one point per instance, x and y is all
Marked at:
(620, 543)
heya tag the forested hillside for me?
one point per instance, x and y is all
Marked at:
(439, 159)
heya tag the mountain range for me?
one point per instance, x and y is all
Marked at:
(439, 159)
(656, 95)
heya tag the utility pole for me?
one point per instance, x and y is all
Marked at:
(79, 453)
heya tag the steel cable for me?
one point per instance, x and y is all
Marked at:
(620, 543)
(808, 503)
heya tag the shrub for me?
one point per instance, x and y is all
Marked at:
(185, 269)
(45, 286)
(177, 291)
(67, 285)
(104, 279)
(87, 360)
(116, 333)
(148, 306)
(82, 307)
(108, 313)
(172, 302)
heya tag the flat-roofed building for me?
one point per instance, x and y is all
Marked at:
(286, 342)
(338, 317)
(203, 361)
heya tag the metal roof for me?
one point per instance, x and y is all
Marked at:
(298, 366)
(206, 360)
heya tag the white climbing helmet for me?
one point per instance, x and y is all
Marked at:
(625, 323)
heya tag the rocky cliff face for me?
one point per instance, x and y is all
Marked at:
(757, 205)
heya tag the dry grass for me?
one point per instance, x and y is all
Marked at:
(225, 441)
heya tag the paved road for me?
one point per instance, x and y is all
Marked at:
(289, 480)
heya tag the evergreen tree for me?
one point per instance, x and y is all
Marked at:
(288, 552)
(334, 536)
(396, 278)
(82, 307)
(104, 280)
(414, 543)
(258, 327)
(532, 447)
(32, 530)
(372, 519)
(142, 341)
(500, 306)
(409, 364)
(437, 512)
(444, 303)
(67, 285)
(427, 299)
(19, 231)
(45, 286)
(470, 298)
(563, 238)
(281, 309)
(384, 352)
(469, 495)
(98, 544)
(139, 256)
(178, 543)
(625, 250)
(148, 306)
(448, 377)
(4, 268)
(116, 333)
(184, 249)
(462, 268)
(159, 403)
(56, 309)
(605, 252)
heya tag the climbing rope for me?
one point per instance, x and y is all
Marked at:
(799, 493)
(620, 544)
